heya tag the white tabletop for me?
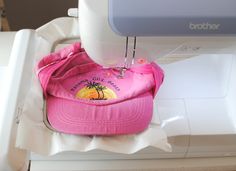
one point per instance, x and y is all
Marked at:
(6, 42)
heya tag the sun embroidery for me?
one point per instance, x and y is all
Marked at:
(95, 91)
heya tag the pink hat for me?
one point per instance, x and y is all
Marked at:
(87, 99)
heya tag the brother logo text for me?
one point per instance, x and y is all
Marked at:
(204, 26)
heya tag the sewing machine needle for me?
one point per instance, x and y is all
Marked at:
(134, 50)
(126, 52)
(122, 69)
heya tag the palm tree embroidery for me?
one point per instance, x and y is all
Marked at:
(99, 88)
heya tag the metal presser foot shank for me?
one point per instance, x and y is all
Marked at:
(126, 65)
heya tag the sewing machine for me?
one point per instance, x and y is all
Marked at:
(195, 44)
(112, 30)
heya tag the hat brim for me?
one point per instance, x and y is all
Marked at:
(127, 117)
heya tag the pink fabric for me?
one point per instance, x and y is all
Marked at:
(84, 98)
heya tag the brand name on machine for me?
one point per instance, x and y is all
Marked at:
(204, 26)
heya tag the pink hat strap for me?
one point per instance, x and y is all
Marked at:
(59, 55)
(45, 74)
(49, 64)
(158, 74)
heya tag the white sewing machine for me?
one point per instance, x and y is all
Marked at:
(195, 43)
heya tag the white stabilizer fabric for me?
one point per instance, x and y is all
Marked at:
(34, 136)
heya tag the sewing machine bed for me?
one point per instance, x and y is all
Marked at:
(195, 106)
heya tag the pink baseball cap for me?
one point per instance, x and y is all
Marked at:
(84, 98)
